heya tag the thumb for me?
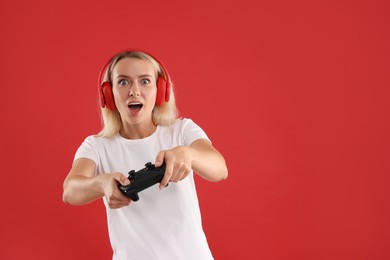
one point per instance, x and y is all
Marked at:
(122, 179)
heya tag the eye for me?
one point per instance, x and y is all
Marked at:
(123, 82)
(145, 81)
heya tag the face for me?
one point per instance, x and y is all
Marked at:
(134, 89)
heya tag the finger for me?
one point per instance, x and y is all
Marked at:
(118, 200)
(180, 174)
(175, 173)
(175, 176)
(118, 205)
(167, 176)
(122, 179)
(159, 159)
(186, 172)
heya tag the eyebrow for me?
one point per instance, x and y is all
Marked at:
(140, 76)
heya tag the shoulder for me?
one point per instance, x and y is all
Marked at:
(184, 122)
(98, 141)
(94, 146)
(180, 125)
(185, 130)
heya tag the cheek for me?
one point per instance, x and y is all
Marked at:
(118, 92)
(151, 94)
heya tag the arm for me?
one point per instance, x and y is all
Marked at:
(200, 156)
(207, 161)
(81, 186)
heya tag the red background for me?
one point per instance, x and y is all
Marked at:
(293, 93)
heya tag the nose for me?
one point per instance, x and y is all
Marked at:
(134, 90)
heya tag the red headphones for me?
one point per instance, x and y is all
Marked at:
(105, 88)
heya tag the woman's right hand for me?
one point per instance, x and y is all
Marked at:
(82, 186)
(109, 184)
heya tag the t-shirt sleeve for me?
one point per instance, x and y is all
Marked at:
(192, 132)
(88, 150)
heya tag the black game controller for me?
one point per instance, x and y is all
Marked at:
(142, 179)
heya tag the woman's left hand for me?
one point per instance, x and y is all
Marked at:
(178, 164)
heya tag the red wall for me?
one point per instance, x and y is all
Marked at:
(295, 94)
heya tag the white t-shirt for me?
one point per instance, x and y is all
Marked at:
(163, 224)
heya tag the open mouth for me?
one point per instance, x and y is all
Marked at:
(135, 106)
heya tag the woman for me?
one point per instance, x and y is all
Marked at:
(140, 126)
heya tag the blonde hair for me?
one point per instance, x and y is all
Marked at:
(165, 114)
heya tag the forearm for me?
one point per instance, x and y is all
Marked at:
(208, 162)
(81, 190)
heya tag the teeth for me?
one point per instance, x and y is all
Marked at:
(136, 106)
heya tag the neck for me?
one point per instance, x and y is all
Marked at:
(137, 131)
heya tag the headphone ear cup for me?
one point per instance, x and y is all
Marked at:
(107, 97)
(101, 96)
(167, 91)
(161, 91)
